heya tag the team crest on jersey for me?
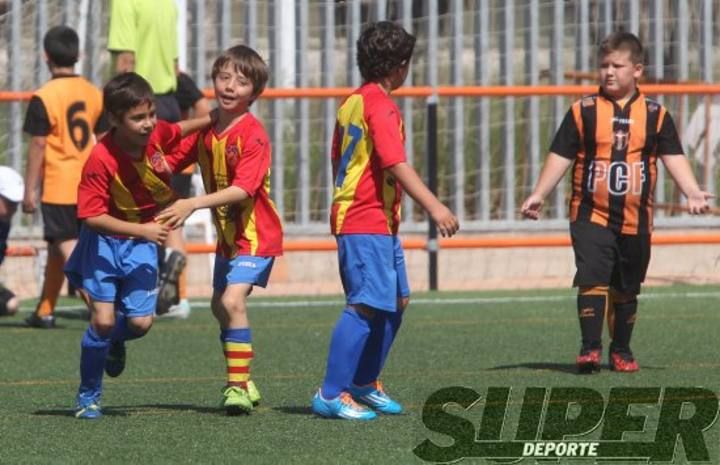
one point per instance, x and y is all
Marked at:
(588, 101)
(652, 107)
(157, 160)
(232, 154)
(620, 139)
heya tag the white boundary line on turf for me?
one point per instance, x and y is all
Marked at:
(451, 301)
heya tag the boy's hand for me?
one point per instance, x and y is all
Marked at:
(531, 207)
(155, 232)
(446, 222)
(29, 202)
(175, 215)
(698, 202)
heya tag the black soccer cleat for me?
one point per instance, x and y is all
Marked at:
(168, 292)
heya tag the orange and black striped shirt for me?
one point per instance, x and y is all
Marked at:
(615, 149)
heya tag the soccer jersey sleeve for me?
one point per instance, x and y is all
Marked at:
(386, 131)
(253, 163)
(668, 141)
(94, 189)
(37, 122)
(121, 36)
(185, 154)
(166, 135)
(566, 142)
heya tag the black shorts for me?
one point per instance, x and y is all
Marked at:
(60, 222)
(181, 184)
(606, 258)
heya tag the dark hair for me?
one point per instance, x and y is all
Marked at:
(124, 92)
(383, 47)
(624, 41)
(62, 46)
(246, 61)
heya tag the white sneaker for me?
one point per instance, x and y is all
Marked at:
(180, 311)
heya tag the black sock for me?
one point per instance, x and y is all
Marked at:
(625, 313)
(591, 312)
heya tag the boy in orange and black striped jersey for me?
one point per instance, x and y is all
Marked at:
(62, 119)
(613, 140)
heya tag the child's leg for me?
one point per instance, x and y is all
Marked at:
(592, 305)
(347, 345)
(94, 349)
(624, 321)
(129, 328)
(383, 330)
(230, 309)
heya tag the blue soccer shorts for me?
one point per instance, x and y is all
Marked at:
(245, 269)
(372, 270)
(112, 269)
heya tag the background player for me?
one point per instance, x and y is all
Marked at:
(11, 193)
(613, 139)
(61, 118)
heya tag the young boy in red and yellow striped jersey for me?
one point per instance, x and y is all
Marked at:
(234, 158)
(124, 184)
(370, 173)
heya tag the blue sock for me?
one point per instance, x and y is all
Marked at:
(346, 346)
(236, 335)
(94, 349)
(384, 328)
(122, 332)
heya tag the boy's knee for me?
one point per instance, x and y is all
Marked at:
(103, 328)
(140, 325)
(593, 290)
(233, 305)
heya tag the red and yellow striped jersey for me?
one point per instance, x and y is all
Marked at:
(240, 156)
(615, 149)
(369, 138)
(114, 183)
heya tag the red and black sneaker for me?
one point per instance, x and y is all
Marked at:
(589, 361)
(622, 362)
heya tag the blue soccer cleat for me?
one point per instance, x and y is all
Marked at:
(373, 395)
(87, 408)
(342, 406)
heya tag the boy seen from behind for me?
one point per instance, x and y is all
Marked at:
(62, 119)
(370, 173)
(124, 184)
(234, 158)
(613, 140)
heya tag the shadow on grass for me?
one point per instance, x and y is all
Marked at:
(73, 314)
(294, 409)
(132, 410)
(570, 368)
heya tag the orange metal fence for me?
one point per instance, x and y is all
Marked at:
(489, 242)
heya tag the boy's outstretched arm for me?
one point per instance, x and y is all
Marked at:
(552, 172)
(175, 215)
(681, 172)
(107, 224)
(446, 222)
(190, 126)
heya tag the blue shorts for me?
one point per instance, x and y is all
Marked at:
(111, 269)
(372, 270)
(246, 269)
